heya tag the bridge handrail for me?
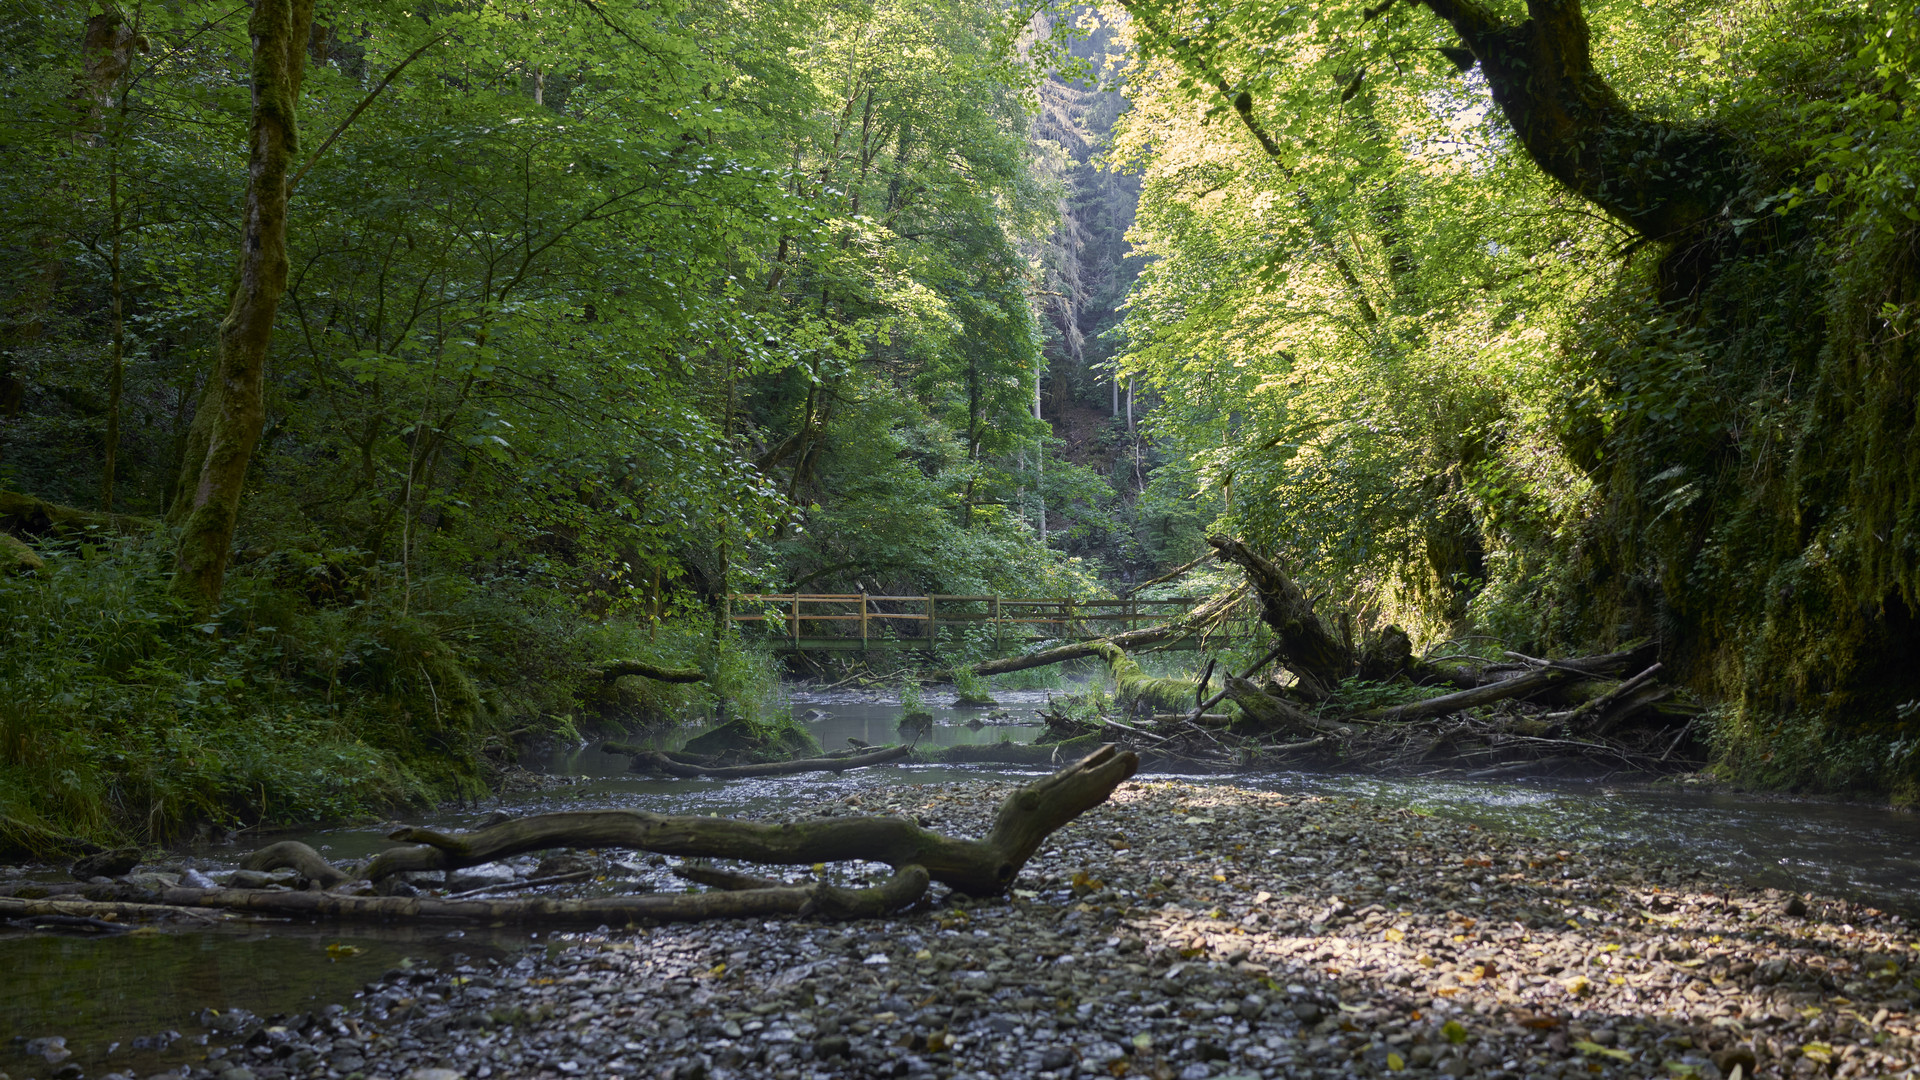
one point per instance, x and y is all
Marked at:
(1061, 614)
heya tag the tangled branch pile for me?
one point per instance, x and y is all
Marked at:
(1472, 716)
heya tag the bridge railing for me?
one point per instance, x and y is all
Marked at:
(862, 620)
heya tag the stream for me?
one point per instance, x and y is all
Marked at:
(139, 1003)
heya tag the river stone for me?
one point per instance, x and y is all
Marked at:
(565, 862)
(732, 735)
(261, 879)
(194, 879)
(153, 881)
(433, 1074)
(106, 864)
(53, 1049)
(484, 876)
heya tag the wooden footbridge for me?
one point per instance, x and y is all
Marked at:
(859, 622)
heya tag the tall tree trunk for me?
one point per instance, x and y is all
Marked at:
(233, 411)
(1665, 180)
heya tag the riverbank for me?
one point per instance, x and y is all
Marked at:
(1180, 930)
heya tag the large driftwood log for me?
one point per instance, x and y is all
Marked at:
(298, 856)
(1598, 708)
(984, 867)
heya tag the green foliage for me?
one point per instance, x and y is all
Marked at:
(972, 689)
(124, 717)
(1359, 695)
(912, 704)
(1087, 707)
(592, 317)
(1454, 396)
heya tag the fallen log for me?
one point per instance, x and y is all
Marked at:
(1201, 709)
(1204, 719)
(614, 669)
(1265, 712)
(670, 765)
(984, 867)
(1520, 686)
(297, 856)
(26, 514)
(1600, 706)
(907, 884)
(1126, 641)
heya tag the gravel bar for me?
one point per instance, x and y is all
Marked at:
(1179, 931)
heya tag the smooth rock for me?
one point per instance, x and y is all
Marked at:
(484, 876)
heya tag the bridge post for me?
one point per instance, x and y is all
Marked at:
(796, 621)
(933, 625)
(863, 620)
(997, 644)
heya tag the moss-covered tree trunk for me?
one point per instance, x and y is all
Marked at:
(231, 414)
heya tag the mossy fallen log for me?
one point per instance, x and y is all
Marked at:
(25, 514)
(1131, 683)
(17, 558)
(615, 669)
(1267, 712)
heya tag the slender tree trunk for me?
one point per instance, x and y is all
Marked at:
(116, 375)
(234, 403)
(117, 369)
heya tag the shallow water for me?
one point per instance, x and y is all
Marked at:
(101, 992)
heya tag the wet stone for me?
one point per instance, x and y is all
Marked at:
(1309, 936)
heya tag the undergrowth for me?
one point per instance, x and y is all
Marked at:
(127, 718)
